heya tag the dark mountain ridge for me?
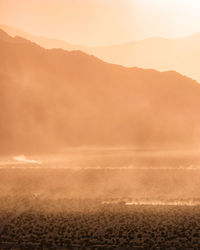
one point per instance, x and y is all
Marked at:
(51, 99)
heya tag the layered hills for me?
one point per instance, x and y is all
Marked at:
(181, 54)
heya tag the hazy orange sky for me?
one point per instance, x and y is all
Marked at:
(102, 22)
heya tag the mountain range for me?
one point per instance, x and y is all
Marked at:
(181, 55)
(52, 98)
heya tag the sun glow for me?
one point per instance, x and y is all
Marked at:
(173, 5)
(191, 3)
(102, 22)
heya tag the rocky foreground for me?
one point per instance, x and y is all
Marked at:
(35, 223)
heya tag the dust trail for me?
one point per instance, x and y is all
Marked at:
(162, 203)
(152, 203)
(22, 158)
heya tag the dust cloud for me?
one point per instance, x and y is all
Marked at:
(106, 174)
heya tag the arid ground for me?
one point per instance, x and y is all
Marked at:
(94, 199)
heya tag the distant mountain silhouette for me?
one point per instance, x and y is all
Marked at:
(48, 43)
(181, 55)
(54, 98)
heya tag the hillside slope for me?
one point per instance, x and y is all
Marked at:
(51, 99)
